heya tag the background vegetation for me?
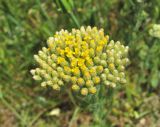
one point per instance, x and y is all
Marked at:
(24, 27)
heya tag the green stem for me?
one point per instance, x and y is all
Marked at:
(74, 19)
(74, 117)
(71, 97)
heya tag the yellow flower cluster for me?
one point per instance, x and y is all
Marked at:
(81, 59)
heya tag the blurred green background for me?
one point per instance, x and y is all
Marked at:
(25, 26)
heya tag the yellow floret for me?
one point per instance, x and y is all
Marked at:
(84, 91)
(92, 90)
(96, 80)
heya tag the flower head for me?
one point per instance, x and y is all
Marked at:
(81, 59)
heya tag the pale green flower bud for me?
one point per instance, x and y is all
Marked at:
(123, 81)
(53, 66)
(33, 71)
(115, 72)
(42, 55)
(106, 71)
(125, 61)
(103, 77)
(96, 60)
(104, 56)
(111, 59)
(49, 69)
(54, 73)
(118, 62)
(55, 80)
(43, 84)
(56, 87)
(60, 83)
(103, 63)
(113, 85)
(75, 87)
(36, 57)
(121, 68)
(117, 79)
(50, 61)
(59, 69)
(110, 77)
(47, 77)
(44, 49)
(110, 45)
(126, 50)
(54, 57)
(66, 78)
(49, 83)
(50, 41)
(121, 75)
(110, 53)
(38, 70)
(107, 83)
(36, 77)
(155, 30)
(42, 72)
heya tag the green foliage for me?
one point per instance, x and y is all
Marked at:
(24, 27)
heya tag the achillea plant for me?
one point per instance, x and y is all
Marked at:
(82, 60)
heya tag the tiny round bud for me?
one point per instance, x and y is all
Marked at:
(93, 71)
(59, 69)
(36, 77)
(113, 85)
(53, 65)
(66, 78)
(43, 84)
(56, 87)
(84, 91)
(121, 68)
(118, 62)
(60, 82)
(111, 66)
(33, 71)
(106, 71)
(75, 87)
(96, 60)
(103, 77)
(92, 90)
(121, 75)
(47, 76)
(49, 83)
(123, 81)
(115, 72)
(103, 63)
(89, 83)
(80, 81)
(110, 77)
(107, 83)
(87, 75)
(104, 56)
(55, 80)
(111, 59)
(73, 79)
(96, 80)
(99, 69)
